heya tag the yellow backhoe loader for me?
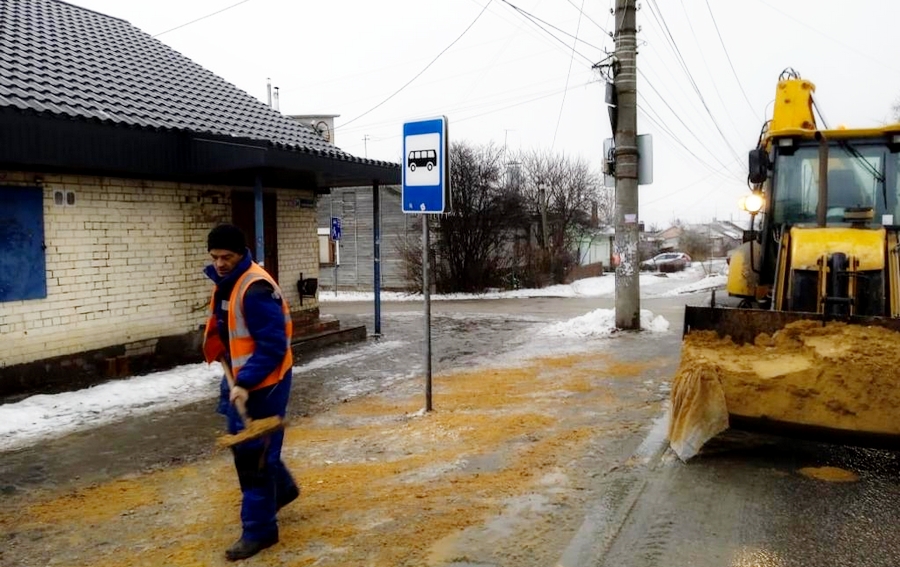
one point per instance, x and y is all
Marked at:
(813, 349)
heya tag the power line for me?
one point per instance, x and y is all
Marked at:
(657, 14)
(568, 74)
(660, 19)
(502, 14)
(867, 54)
(518, 27)
(703, 196)
(479, 103)
(529, 17)
(581, 11)
(537, 98)
(201, 18)
(457, 119)
(730, 64)
(678, 116)
(685, 187)
(534, 19)
(708, 72)
(660, 123)
(452, 43)
(444, 78)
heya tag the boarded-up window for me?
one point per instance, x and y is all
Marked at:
(22, 259)
(329, 252)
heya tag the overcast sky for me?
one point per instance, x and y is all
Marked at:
(707, 73)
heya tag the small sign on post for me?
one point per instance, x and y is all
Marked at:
(426, 167)
(336, 237)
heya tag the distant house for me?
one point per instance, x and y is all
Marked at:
(724, 236)
(597, 246)
(668, 239)
(117, 155)
(720, 237)
(353, 255)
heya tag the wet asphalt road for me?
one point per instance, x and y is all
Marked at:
(744, 504)
(741, 503)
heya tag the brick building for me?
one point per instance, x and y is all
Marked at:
(117, 155)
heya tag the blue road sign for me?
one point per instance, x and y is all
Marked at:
(335, 228)
(426, 167)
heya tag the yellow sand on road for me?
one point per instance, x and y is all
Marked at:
(837, 376)
(382, 484)
(829, 474)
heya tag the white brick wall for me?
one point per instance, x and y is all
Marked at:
(124, 265)
(298, 247)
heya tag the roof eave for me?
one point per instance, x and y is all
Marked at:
(40, 141)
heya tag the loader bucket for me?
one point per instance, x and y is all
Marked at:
(786, 373)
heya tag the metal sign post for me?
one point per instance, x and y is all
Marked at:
(426, 190)
(426, 291)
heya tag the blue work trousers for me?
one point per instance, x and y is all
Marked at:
(266, 484)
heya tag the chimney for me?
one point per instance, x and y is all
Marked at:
(269, 91)
(277, 100)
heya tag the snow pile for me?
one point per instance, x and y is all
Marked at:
(53, 415)
(602, 322)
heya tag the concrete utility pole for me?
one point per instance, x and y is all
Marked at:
(628, 291)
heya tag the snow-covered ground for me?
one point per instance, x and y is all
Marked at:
(695, 279)
(44, 416)
(53, 415)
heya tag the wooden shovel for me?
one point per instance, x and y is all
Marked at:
(253, 428)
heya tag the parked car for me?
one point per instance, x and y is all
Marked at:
(667, 262)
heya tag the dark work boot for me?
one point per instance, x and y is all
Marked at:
(287, 495)
(244, 548)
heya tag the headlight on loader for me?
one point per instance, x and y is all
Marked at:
(752, 203)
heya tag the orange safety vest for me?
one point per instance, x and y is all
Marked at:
(241, 343)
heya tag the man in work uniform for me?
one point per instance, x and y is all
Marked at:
(249, 329)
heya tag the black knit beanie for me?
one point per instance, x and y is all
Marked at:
(226, 237)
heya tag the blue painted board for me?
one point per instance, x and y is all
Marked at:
(23, 266)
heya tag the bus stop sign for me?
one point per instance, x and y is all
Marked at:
(335, 228)
(426, 167)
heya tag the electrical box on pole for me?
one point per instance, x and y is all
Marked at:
(645, 161)
(612, 106)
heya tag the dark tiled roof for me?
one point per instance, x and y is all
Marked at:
(60, 59)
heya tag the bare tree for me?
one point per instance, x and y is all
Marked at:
(471, 240)
(695, 243)
(605, 203)
(409, 248)
(516, 220)
(560, 192)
